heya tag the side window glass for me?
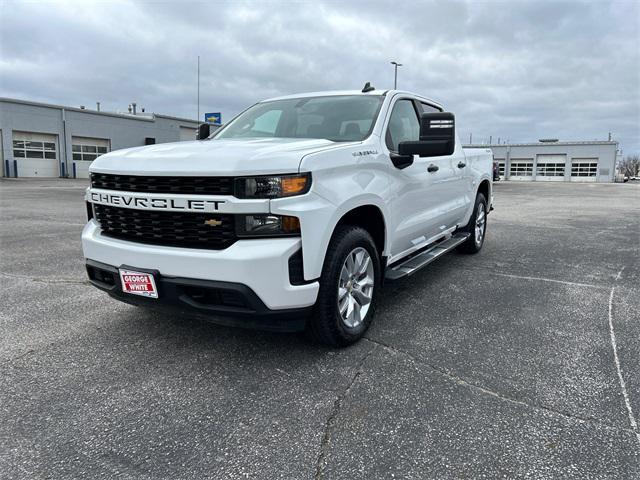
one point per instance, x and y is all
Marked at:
(426, 108)
(403, 125)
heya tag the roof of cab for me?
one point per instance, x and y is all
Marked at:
(351, 92)
(327, 94)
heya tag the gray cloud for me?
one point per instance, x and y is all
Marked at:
(515, 70)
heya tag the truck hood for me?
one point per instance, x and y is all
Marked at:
(212, 157)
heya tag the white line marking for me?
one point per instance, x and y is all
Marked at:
(614, 345)
(546, 280)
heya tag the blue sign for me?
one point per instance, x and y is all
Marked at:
(213, 118)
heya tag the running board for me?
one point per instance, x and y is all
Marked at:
(422, 259)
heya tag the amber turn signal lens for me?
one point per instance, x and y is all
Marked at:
(293, 186)
(290, 224)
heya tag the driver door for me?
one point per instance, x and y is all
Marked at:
(414, 205)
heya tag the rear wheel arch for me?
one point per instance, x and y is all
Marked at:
(485, 189)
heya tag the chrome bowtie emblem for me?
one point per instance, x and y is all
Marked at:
(212, 222)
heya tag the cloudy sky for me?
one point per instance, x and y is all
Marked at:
(514, 70)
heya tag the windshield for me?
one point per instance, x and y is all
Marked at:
(341, 118)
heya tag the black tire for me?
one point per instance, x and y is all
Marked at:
(327, 325)
(474, 244)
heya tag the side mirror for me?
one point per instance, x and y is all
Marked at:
(204, 130)
(437, 136)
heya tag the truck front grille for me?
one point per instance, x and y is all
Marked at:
(164, 184)
(173, 229)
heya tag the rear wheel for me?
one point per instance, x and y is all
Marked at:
(348, 288)
(477, 227)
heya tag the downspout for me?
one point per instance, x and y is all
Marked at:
(507, 162)
(63, 145)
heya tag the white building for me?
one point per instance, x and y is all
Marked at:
(554, 161)
(42, 140)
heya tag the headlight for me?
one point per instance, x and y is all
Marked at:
(266, 226)
(275, 186)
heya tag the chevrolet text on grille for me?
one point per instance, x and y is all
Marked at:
(159, 203)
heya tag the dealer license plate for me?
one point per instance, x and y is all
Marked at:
(138, 283)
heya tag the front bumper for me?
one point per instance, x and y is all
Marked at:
(262, 265)
(225, 303)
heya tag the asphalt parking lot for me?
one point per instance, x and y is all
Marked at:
(498, 365)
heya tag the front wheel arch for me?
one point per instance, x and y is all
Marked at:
(326, 324)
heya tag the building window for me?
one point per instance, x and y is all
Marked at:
(500, 166)
(521, 169)
(587, 167)
(550, 169)
(88, 149)
(31, 149)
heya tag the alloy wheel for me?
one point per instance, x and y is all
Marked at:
(481, 219)
(355, 287)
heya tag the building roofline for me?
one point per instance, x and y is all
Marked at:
(144, 118)
(543, 144)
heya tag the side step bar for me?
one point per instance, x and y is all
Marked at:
(424, 258)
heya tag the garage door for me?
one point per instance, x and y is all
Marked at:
(500, 167)
(584, 169)
(36, 154)
(521, 169)
(187, 134)
(86, 150)
(550, 168)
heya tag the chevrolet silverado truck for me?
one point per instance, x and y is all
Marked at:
(290, 217)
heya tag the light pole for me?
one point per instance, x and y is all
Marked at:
(395, 75)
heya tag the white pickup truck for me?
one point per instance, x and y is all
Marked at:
(291, 216)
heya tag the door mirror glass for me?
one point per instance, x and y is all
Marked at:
(437, 136)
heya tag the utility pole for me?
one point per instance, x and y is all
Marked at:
(395, 74)
(471, 139)
(198, 117)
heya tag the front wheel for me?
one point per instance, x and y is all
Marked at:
(348, 288)
(477, 227)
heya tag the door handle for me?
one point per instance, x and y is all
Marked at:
(462, 165)
(433, 168)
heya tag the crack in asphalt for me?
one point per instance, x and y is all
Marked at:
(493, 393)
(337, 404)
(17, 357)
(66, 281)
(539, 279)
(543, 279)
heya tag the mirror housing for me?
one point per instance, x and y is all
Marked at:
(401, 161)
(204, 130)
(437, 136)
